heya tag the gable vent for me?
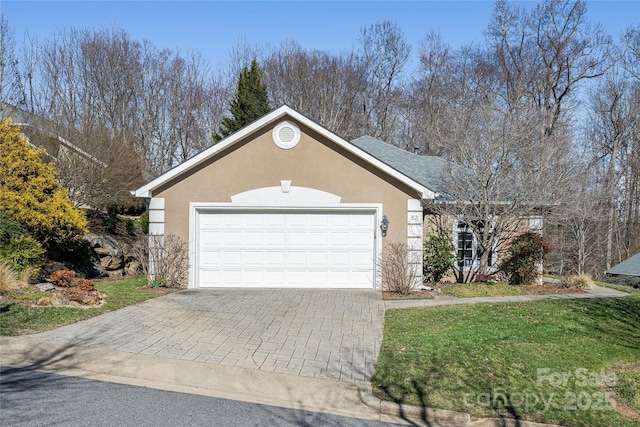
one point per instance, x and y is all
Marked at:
(286, 135)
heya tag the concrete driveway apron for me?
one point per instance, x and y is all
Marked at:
(315, 333)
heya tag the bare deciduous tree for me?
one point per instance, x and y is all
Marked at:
(386, 52)
(326, 88)
(9, 75)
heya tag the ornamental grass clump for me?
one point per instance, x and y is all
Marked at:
(12, 279)
(580, 281)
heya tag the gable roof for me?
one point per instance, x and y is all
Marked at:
(628, 267)
(427, 170)
(423, 190)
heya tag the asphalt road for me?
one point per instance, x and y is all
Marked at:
(36, 398)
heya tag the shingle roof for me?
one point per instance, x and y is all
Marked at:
(427, 170)
(628, 267)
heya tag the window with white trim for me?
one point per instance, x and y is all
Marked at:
(467, 247)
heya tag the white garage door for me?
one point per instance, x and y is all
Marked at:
(285, 249)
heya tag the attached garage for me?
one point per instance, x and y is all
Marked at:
(286, 203)
(285, 248)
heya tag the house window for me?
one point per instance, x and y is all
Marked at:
(467, 247)
(466, 250)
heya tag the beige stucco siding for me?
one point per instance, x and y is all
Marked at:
(257, 162)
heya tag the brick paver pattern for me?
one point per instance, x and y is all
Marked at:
(314, 333)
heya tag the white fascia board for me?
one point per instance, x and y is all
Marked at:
(147, 190)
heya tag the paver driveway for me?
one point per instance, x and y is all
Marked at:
(315, 333)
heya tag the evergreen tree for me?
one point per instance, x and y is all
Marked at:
(248, 104)
(30, 194)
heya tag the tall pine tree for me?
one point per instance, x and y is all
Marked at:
(248, 104)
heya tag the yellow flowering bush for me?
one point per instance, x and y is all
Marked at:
(30, 194)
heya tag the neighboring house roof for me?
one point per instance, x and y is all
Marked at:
(628, 267)
(427, 170)
(425, 188)
(25, 119)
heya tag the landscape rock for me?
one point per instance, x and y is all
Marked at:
(111, 257)
(58, 298)
(45, 286)
(128, 254)
(112, 263)
(134, 267)
(105, 245)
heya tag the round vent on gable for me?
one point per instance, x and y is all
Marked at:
(286, 135)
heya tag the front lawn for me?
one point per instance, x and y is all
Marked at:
(554, 361)
(497, 289)
(23, 318)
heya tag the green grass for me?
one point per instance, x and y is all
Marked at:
(20, 319)
(484, 359)
(470, 290)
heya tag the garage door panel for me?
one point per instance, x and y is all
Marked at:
(339, 278)
(339, 221)
(231, 239)
(360, 239)
(296, 278)
(285, 249)
(297, 258)
(275, 220)
(297, 239)
(318, 259)
(361, 277)
(274, 259)
(274, 278)
(210, 257)
(362, 221)
(318, 278)
(339, 239)
(360, 259)
(317, 239)
(210, 276)
(316, 221)
(231, 258)
(253, 258)
(232, 219)
(254, 221)
(296, 221)
(209, 237)
(339, 258)
(209, 221)
(231, 276)
(253, 238)
(275, 238)
(253, 278)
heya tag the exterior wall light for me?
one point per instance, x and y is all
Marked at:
(384, 225)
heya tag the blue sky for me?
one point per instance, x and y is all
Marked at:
(213, 27)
